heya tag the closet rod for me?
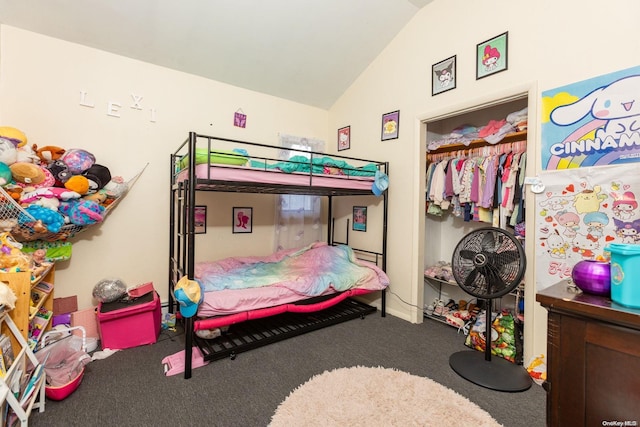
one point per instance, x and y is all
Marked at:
(489, 150)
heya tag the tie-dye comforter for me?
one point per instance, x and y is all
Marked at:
(309, 271)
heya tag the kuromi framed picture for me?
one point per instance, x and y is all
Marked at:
(443, 76)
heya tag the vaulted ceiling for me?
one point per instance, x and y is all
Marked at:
(307, 51)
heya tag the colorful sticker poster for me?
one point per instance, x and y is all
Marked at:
(594, 122)
(579, 213)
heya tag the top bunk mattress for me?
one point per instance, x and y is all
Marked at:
(210, 174)
(221, 164)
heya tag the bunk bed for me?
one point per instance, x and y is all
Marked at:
(208, 163)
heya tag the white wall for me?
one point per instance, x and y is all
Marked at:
(40, 83)
(551, 43)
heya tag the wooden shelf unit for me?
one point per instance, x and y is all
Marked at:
(26, 371)
(22, 284)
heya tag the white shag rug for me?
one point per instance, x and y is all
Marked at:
(362, 396)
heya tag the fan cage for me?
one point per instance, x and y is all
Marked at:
(488, 263)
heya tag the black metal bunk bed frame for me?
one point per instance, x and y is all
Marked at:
(182, 252)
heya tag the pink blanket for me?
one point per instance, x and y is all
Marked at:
(318, 269)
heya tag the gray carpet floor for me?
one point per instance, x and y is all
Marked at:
(129, 388)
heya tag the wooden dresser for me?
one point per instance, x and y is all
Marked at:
(593, 359)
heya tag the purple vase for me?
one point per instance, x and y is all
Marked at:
(592, 277)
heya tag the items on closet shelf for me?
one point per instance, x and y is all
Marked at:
(493, 132)
(442, 271)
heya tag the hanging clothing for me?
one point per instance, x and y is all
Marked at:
(486, 186)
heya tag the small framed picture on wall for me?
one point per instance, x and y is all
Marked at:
(443, 76)
(360, 218)
(200, 221)
(344, 138)
(491, 56)
(390, 125)
(242, 220)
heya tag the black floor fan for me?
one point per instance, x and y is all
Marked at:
(489, 263)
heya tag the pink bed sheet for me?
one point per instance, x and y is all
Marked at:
(248, 174)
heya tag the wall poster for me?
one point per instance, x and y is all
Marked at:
(593, 122)
(579, 212)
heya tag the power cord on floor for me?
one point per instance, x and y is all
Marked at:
(463, 328)
(405, 302)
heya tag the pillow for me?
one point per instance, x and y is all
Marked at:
(218, 156)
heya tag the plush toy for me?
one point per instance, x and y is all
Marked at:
(38, 256)
(12, 259)
(27, 173)
(77, 183)
(8, 224)
(14, 191)
(26, 154)
(49, 179)
(7, 297)
(39, 262)
(48, 153)
(13, 135)
(8, 152)
(60, 172)
(5, 174)
(78, 160)
(116, 187)
(49, 192)
(48, 197)
(51, 219)
(46, 202)
(82, 212)
(98, 177)
(100, 197)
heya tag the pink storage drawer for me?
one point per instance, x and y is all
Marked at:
(126, 325)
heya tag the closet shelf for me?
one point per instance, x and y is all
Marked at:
(427, 277)
(438, 318)
(476, 143)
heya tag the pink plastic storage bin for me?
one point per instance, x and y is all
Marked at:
(129, 326)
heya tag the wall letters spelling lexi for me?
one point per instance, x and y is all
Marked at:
(114, 109)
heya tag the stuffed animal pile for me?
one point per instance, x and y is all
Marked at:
(56, 186)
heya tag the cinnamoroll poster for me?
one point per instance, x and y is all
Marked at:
(592, 122)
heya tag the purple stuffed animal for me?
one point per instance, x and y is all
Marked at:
(82, 212)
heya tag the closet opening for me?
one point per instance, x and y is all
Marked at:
(471, 154)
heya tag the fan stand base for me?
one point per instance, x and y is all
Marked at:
(496, 374)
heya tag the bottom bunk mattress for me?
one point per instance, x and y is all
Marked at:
(244, 288)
